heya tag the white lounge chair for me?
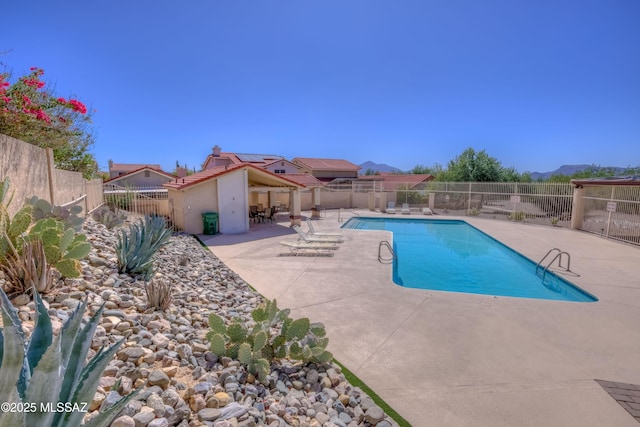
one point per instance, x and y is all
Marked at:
(427, 211)
(311, 238)
(405, 209)
(391, 208)
(312, 231)
(297, 248)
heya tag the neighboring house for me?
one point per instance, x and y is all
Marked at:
(227, 190)
(282, 166)
(393, 182)
(219, 158)
(142, 177)
(119, 169)
(327, 169)
(309, 181)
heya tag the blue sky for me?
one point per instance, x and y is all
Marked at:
(537, 84)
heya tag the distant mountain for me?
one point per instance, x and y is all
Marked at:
(568, 170)
(378, 167)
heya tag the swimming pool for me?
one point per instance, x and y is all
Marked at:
(452, 255)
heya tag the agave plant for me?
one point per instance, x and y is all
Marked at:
(48, 371)
(136, 248)
(35, 242)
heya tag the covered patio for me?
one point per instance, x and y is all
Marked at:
(229, 191)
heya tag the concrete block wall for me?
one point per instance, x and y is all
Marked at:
(31, 172)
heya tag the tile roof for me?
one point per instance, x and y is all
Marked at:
(326, 164)
(305, 179)
(239, 158)
(149, 168)
(207, 174)
(131, 167)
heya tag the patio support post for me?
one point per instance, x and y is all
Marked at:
(315, 203)
(253, 197)
(295, 207)
(577, 210)
(273, 198)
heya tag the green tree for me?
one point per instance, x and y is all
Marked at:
(474, 166)
(420, 170)
(34, 114)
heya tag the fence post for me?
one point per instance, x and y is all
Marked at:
(51, 176)
(613, 191)
(577, 210)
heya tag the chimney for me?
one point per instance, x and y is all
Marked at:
(216, 150)
(110, 165)
(181, 172)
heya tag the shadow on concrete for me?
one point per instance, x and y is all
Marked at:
(257, 231)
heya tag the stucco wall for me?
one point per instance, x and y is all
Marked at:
(26, 166)
(175, 199)
(68, 185)
(196, 200)
(288, 167)
(94, 194)
(233, 200)
(335, 174)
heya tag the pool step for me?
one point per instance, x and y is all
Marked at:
(542, 271)
(386, 244)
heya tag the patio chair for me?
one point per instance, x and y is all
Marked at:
(253, 213)
(311, 238)
(427, 211)
(312, 231)
(391, 208)
(405, 209)
(268, 214)
(299, 248)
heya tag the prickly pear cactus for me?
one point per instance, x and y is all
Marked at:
(63, 247)
(274, 336)
(42, 209)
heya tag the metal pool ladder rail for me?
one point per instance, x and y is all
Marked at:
(558, 256)
(384, 243)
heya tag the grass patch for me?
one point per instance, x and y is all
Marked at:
(357, 382)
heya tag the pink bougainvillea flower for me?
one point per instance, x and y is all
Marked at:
(62, 100)
(41, 115)
(78, 106)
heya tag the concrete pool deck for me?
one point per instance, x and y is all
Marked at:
(456, 359)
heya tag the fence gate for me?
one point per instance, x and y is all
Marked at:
(612, 211)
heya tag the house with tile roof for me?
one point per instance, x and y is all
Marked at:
(282, 166)
(228, 190)
(219, 158)
(118, 169)
(144, 176)
(327, 170)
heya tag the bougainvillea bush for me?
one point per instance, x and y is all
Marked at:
(31, 112)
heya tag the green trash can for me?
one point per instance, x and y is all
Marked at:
(210, 223)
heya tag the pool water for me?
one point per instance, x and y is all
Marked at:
(452, 255)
